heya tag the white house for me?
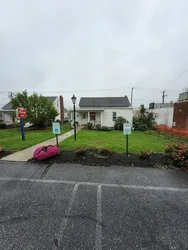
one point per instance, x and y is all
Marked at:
(57, 102)
(102, 110)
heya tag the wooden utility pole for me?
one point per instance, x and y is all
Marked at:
(163, 96)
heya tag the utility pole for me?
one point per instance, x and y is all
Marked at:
(163, 95)
(132, 96)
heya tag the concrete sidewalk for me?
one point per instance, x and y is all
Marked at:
(26, 154)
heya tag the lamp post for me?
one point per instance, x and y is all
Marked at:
(74, 102)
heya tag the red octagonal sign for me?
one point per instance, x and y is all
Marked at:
(21, 113)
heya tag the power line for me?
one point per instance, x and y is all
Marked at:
(84, 90)
(182, 73)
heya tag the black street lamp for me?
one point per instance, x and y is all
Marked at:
(74, 102)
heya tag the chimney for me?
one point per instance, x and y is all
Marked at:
(61, 108)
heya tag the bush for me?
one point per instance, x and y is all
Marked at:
(43, 153)
(89, 125)
(139, 124)
(16, 124)
(104, 128)
(119, 123)
(1, 149)
(57, 120)
(2, 125)
(98, 127)
(178, 154)
(80, 151)
(145, 155)
(144, 120)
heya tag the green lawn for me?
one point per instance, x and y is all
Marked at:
(115, 140)
(10, 139)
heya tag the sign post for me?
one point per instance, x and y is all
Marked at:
(127, 132)
(21, 114)
(56, 130)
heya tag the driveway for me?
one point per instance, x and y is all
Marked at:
(65, 206)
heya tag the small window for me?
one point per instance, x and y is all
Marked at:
(84, 116)
(92, 116)
(113, 116)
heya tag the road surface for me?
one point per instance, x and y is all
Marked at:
(76, 207)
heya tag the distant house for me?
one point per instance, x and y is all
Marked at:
(103, 110)
(57, 102)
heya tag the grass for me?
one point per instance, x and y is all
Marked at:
(115, 141)
(10, 139)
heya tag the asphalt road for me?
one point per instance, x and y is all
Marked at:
(74, 207)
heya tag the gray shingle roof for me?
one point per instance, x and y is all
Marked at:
(104, 102)
(8, 106)
(51, 98)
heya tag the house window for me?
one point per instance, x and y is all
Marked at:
(113, 116)
(92, 116)
(84, 116)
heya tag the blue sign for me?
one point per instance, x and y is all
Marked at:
(56, 127)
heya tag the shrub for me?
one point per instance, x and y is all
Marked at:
(1, 149)
(89, 125)
(43, 152)
(119, 123)
(104, 128)
(80, 151)
(145, 155)
(16, 124)
(178, 154)
(105, 151)
(144, 120)
(2, 125)
(98, 127)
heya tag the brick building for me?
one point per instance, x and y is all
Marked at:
(180, 117)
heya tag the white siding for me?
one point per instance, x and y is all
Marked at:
(164, 115)
(6, 117)
(107, 115)
(79, 117)
(56, 104)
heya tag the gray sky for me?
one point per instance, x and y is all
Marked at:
(81, 46)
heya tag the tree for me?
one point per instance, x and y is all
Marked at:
(145, 120)
(119, 123)
(40, 111)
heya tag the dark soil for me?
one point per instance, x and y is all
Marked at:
(4, 153)
(95, 158)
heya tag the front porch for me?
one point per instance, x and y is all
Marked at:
(84, 116)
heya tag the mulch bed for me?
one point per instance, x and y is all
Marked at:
(95, 158)
(4, 153)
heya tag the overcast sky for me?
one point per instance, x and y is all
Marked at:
(78, 46)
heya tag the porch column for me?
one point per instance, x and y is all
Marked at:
(88, 117)
(101, 118)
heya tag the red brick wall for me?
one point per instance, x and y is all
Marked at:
(181, 114)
